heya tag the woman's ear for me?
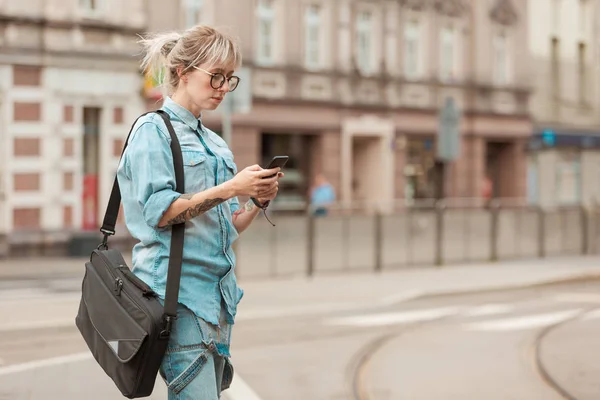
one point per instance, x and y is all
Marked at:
(181, 75)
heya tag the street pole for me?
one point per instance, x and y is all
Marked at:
(226, 118)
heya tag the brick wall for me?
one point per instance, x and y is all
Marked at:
(468, 171)
(26, 182)
(27, 147)
(26, 75)
(26, 111)
(26, 219)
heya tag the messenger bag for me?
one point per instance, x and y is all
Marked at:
(120, 317)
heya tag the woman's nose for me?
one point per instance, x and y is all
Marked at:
(225, 87)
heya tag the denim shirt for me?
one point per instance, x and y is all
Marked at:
(147, 182)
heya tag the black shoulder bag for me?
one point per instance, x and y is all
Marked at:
(121, 319)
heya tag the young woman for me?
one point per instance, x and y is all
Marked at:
(198, 67)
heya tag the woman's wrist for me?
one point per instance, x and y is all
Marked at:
(229, 189)
(260, 203)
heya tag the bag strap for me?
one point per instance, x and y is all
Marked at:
(177, 231)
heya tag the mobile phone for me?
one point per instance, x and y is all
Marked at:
(277, 161)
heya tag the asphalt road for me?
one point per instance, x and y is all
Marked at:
(521, 344)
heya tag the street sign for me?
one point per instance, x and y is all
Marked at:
(448, 140)
(549, 137)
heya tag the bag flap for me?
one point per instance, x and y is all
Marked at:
(109, 316)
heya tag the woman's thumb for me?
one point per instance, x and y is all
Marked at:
(254, 167)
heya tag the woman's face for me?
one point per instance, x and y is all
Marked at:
(199, 88)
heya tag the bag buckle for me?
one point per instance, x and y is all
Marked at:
(166, 332)
(106, 233)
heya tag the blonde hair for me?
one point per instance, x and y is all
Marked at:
(165, 53)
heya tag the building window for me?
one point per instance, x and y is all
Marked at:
(364, 42)
(193, 12)
(501, 59)
(312, 50)
(555, 67)
(582, 73)
(266, 28)
(448, 54)
(412, 37)
(90, 6)
(568, 178)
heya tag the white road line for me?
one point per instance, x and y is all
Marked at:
(239, 389)
(322, 308)
(327, 308)
(49, 362)
(488, 309)
(47, 297)
(525, 322)
(399, 298)
(577, 298)
(591, 315)
(29, 325)
(395, 318)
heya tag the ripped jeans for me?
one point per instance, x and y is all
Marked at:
(196, 365)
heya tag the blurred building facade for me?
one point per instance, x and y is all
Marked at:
(564, 163)
(352, 89)
(69, 88)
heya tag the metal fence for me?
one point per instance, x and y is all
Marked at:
(426, 233)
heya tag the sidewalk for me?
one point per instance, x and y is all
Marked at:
(341, 291)
(54, 377)
(352, 290)
(41, 268)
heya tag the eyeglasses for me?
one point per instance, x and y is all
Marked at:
(218, 80)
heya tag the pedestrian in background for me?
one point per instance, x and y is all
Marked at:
(322, 196)
(198, 66)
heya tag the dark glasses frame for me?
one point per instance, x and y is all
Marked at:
(221, 79)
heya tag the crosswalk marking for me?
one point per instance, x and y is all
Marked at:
(488, 309)
(395, 317)
(591, 315)
(524, 322)
(577, 298)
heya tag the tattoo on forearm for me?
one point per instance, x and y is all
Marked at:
(238, 213)
(195, 211)
(247, 208)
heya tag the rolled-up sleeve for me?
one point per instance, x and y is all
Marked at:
(149, 162)
(234, 204)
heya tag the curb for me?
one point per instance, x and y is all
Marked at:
(539, 362)
(508, 287)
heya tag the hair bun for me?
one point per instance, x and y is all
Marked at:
(169, 46)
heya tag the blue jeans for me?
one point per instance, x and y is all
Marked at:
(196, 365)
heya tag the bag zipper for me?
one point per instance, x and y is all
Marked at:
(140, 284)
(117, 282)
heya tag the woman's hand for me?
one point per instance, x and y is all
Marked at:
(253, 182)
(262, 198)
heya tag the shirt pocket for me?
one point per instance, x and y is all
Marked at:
(230, 168)
(194, 166)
